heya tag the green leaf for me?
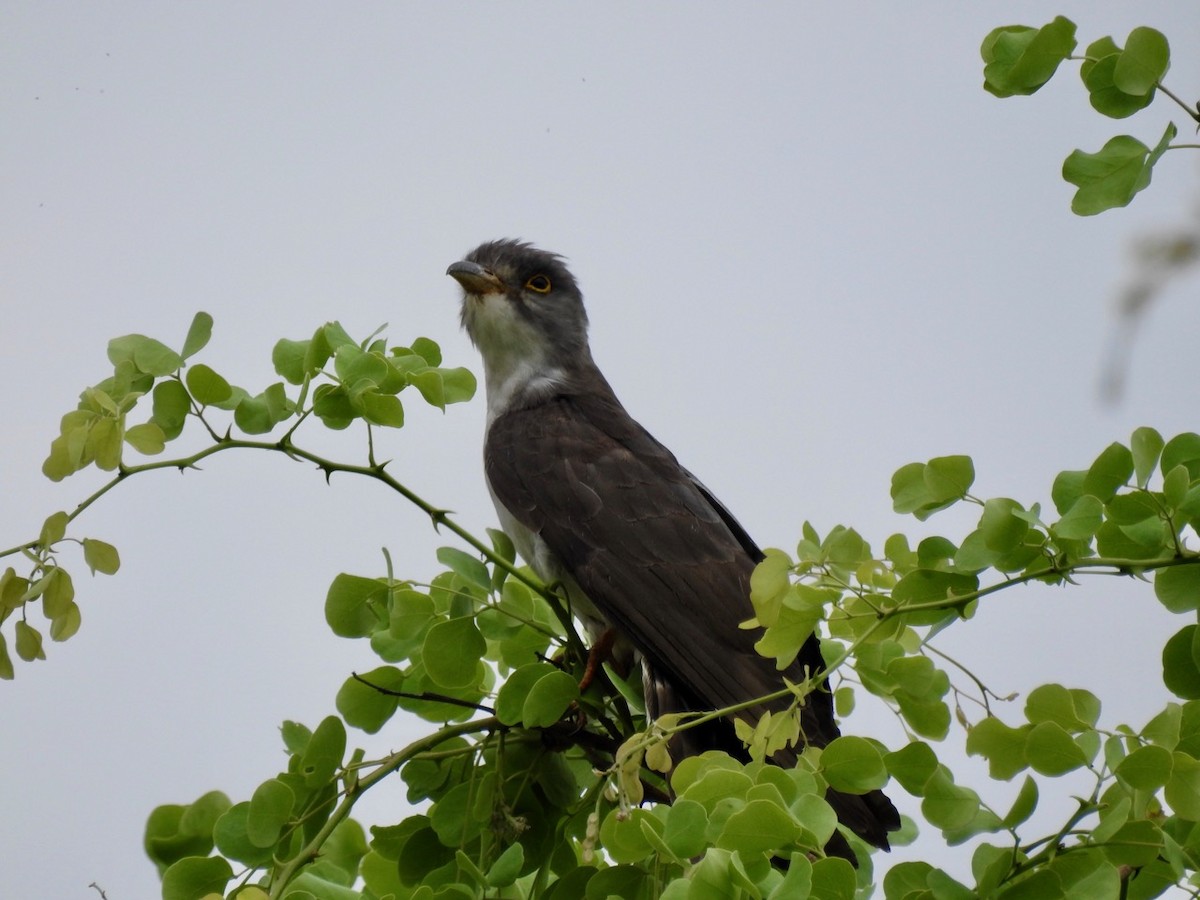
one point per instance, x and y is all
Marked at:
(101, 557)
(853, 765)
(1134, 844)
(381, 409)
(1178, 588)
(323, 755)
(912, 766)
(510, 700)
(469, 567)
(833, 879)
(1181, 674)
(147, 438)
(364, 703)
(1145, 769)
(29, 642)
(147, 355)
(622, 836)
(261, 413)
(687, 822)
(758, 827)
(1002, 531)
(548, 699)
(1144, 62)
(1182, 450)
(1182, 791)
(54, 529)
(949, 477)
(1018, 60)
(1081, 520)
(1106, 97)
(946, 805)
(507, 867)
(198, 335)
(290, 359)
(1024, 805)
(451, 652)
(1146, 446)
(1054, 703)
(171, 406)
(356, 606)
(1110, 472)
(207, 386)
(1002, 746)
(6, 664)
(195, 877)
(1051, 751)
(1111, 177)
(270, 808)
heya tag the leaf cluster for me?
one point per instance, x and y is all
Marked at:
(1019, 60)
(329, 376)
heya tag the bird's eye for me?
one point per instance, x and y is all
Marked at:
(539, 283)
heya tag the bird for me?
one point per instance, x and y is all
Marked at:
(593, 502)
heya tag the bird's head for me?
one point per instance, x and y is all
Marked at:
(521, 307)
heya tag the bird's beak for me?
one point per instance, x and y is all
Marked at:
(474, 278)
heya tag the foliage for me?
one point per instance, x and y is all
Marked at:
(1019, 60)
(533, 787)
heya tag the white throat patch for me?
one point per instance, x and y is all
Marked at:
(514, 352)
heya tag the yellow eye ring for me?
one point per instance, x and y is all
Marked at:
(539, 284)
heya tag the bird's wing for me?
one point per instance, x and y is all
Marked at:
(659, 557)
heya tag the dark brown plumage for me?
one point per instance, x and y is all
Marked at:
(592, 499)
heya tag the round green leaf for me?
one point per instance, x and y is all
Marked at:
(853, 765)
(232, 842)
(622, 836)
(101, 557)
(355, 606)
(1178, 588)
(1051, 751)
(1180, 672)
(548, 699)
(207, 386)
(1146, 769)
(946, 805)
(685, 828)
(194, 877)
(913, 765)
(451, 652)
(363, 704)
(758, 827)
(507, 867)
(1143, 63)
(270, 809)
(198, 334)
(323, 755)
(1182, 791)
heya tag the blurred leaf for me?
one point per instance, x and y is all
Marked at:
(1182, 791)
(172, 404)
(1002, 746)
(912, 766)
(946, 805)
(29, 642)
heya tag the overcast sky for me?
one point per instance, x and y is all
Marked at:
(814, 249)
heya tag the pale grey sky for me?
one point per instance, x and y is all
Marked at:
(814, 249)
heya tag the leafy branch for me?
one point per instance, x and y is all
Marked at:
(1019, 60)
